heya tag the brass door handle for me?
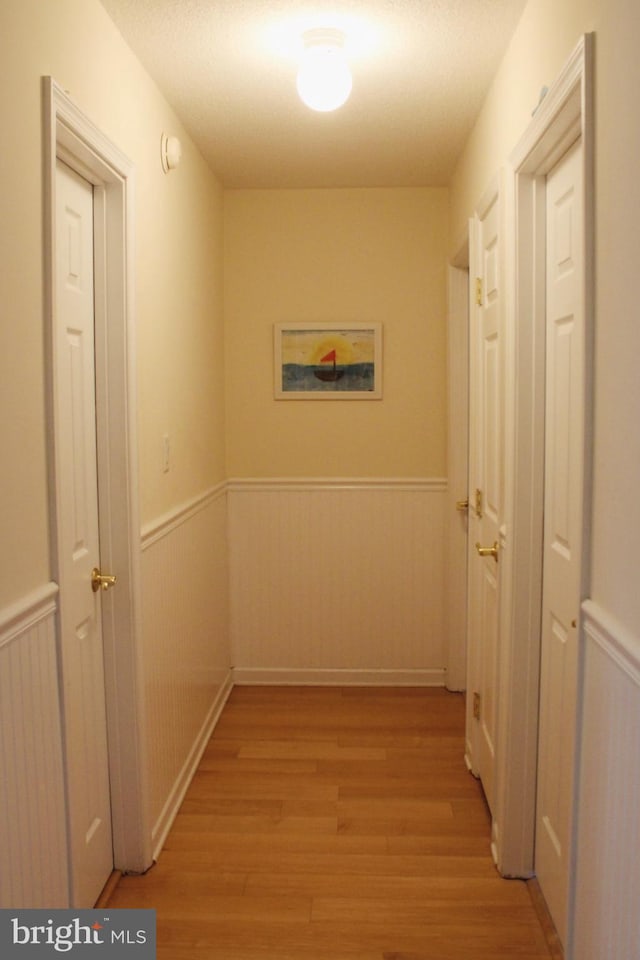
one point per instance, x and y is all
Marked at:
(101, 580)
(488, 551)
(462, 505)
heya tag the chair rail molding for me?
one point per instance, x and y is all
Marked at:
(19, 617)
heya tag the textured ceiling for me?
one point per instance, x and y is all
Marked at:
(420, 71)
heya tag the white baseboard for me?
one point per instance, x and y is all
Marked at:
(347, 678)
(169, 811)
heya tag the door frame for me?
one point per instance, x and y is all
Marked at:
(493, 197)
(564, 115)
(69, 135)
(458, 460)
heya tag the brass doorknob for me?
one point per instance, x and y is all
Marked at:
(488, 551)
(101, 580)
(462, 505)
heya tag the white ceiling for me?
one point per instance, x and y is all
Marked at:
(420, 71)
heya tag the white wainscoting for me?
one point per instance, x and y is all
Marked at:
(337, 581)
(186, 652)
(607, 889)
(33, 840)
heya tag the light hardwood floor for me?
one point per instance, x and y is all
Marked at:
(335, 824)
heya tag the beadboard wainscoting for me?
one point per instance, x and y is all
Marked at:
(337, 581)
(33, 837)
(185, 642)
(607, 923)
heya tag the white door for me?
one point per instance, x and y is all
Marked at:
(563, 505)
(485, 491)
(86, 758)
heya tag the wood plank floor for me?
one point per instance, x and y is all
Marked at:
(335, 824)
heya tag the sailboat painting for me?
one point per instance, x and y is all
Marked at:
(324, 361)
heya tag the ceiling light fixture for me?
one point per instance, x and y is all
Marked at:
(324, 79)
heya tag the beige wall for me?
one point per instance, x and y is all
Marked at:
(178, 274)
(179, 342)
(339, 256)
(545, 38)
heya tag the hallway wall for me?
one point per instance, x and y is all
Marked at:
(544, 40)
(337, 582)
(337, 508)
(178, 321)
(338, 256)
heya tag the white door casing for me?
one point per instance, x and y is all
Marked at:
(485, 493)
(563, 510)
(75, 139)
(565, 114)
(80, 615)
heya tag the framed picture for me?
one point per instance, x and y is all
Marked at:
(328, 361)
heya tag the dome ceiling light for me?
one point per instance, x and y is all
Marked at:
(324, 79)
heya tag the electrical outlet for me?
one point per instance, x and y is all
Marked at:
(166, 453)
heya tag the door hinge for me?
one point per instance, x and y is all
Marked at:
(476, 706)
(479, 291)
(478, 503)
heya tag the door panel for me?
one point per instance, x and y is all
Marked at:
(563, 500)
(491, 428)
(488, 676)
(77, 518)
(485, 493)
